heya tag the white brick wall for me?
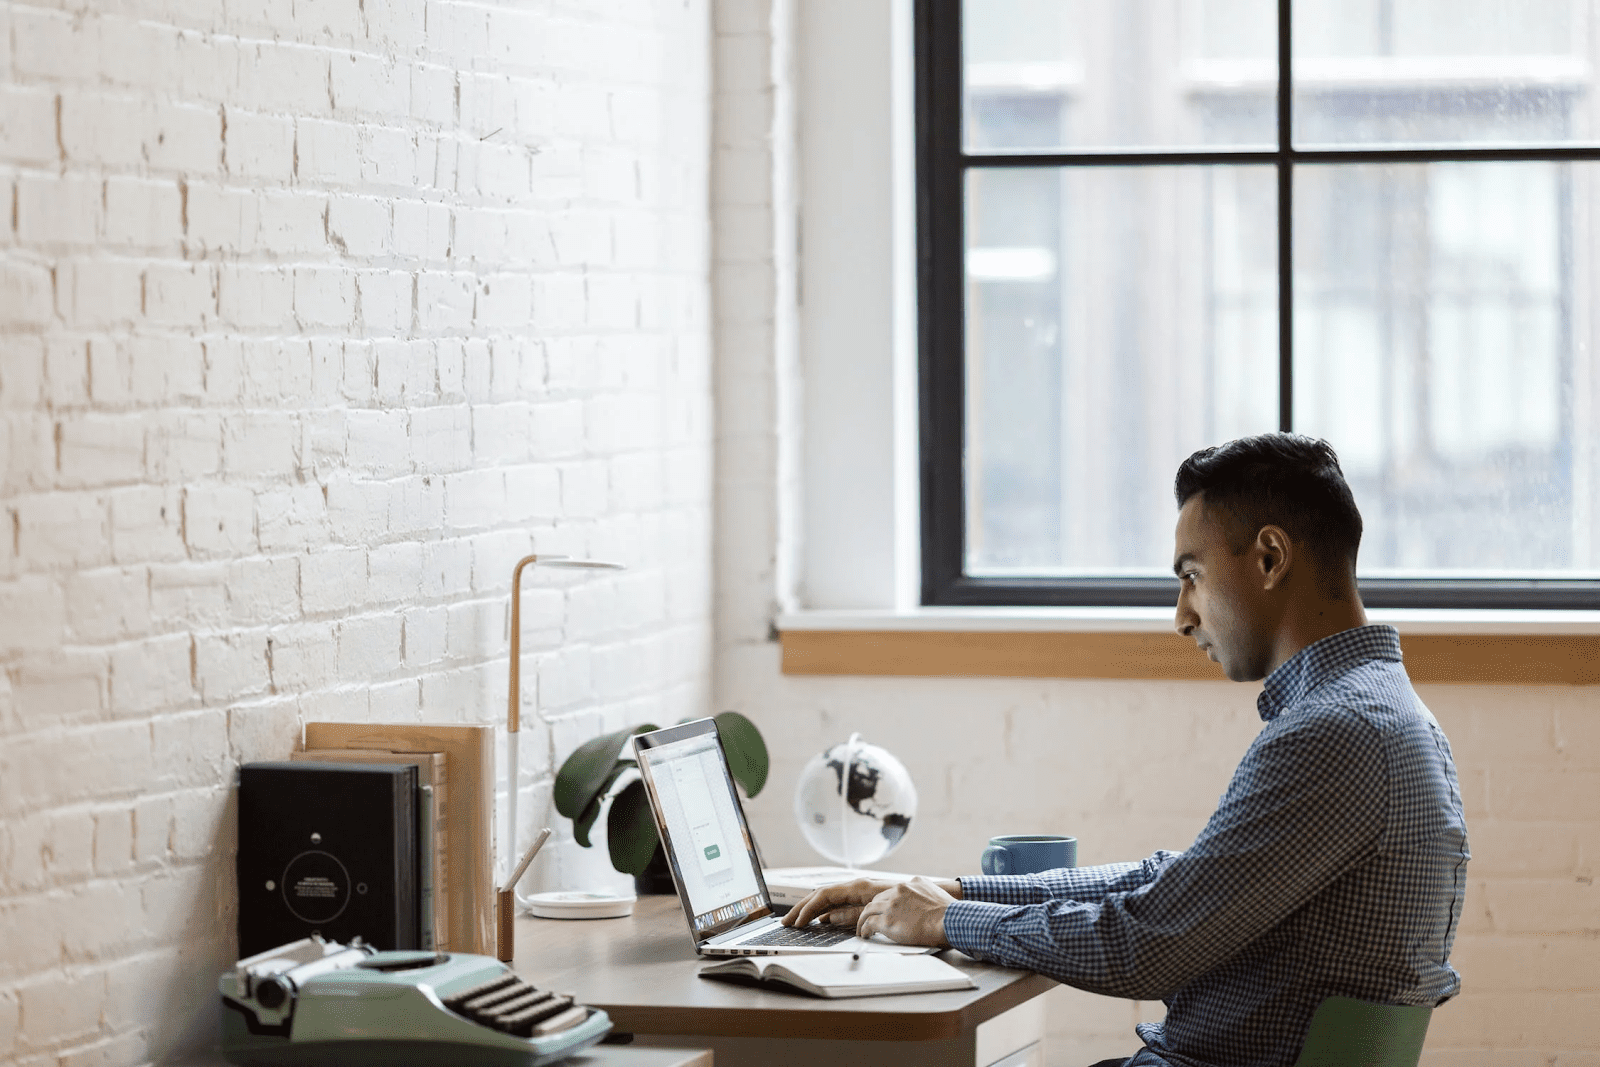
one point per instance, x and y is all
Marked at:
(1127, 766)
(313, 318)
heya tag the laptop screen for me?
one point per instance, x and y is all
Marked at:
(703, 828)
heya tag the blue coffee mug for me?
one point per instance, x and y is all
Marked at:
(1029, 853)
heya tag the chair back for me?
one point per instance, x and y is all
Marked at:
(1355, 1033)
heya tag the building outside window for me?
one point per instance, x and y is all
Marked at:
(1134, 248)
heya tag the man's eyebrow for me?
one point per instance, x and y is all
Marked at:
(1177, 564)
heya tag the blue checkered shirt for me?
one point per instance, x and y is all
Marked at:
(1334, 864)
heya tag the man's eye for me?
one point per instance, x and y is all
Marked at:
(1188, 577)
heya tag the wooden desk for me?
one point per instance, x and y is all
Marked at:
(643, 971)
(595, 1056)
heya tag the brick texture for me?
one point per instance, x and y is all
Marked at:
(313, 319)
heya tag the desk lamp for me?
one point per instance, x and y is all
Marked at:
(508, 895)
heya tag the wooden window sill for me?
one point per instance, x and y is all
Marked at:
(1527, 648)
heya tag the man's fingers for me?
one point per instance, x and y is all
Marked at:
(867, 923)
(831, 898)
(820, 902)
(849, 916)
(826, 902)
(804, 909)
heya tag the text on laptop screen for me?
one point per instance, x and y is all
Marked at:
(703, 824)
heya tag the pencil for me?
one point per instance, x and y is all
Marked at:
(527, 857)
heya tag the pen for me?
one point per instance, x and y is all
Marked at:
(527, 857)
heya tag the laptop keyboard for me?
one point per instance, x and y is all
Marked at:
(802, 936)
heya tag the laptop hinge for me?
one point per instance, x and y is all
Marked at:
(737, 932)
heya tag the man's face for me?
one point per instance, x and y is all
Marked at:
(1222, 601)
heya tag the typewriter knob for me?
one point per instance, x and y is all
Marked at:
(270, 994)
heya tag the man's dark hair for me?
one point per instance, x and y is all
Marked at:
(1278, 479)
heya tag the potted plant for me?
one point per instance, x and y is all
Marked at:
(587, 777)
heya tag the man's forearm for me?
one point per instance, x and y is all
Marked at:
(1070, 883)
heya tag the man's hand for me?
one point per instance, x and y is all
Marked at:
(909, 913)
(839, 905)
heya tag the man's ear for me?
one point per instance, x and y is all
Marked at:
(1276, 553)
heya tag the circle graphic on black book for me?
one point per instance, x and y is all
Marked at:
(316, 887)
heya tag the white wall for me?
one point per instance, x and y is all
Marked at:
(1127, 766)
(314, 316)
(857, 539)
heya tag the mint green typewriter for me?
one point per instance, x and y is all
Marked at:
(315, 1002)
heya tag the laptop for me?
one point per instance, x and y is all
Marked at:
(713, 857)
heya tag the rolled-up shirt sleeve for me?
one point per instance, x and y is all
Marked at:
(1302, 809)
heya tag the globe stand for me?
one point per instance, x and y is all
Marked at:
(844, 800)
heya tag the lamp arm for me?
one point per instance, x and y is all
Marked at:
(514, 708)
(514, 686)
(514, 689)
(514, 696)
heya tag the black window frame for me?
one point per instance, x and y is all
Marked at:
(941, 166)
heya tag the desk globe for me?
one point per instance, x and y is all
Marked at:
(854, 802)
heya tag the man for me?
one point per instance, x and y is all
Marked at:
(1336, 861)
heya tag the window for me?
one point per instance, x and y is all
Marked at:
(1147, 226)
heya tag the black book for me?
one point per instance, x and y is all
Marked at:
(328, 849)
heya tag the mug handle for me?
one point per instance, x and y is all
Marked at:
(996, 860)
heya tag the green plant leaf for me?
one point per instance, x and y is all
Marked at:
(590, 770)
(747, 752)
(630, 830)
(583, 823)
(583, 775)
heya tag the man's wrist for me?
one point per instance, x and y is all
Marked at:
(972, 926)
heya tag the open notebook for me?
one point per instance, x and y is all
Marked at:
(837, 975)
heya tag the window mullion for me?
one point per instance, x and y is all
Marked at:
(1285, 220)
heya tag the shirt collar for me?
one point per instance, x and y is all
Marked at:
(1302, 672)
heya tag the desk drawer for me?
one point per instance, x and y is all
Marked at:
(1032, 1056)
(1013, 1038)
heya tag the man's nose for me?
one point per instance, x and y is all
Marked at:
(1185, 620)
